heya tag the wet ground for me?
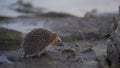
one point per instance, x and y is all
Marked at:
(71, 55)
(83, 40)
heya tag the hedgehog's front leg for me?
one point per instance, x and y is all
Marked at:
(45, 51)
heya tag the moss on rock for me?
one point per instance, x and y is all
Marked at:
(10, 39)
(54, 14)
(72, 37)
(5, 18)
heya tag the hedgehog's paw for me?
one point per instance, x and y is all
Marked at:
(29, 56)
(44, 54)
(40, 54)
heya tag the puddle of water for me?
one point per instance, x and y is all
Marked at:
(23, 26)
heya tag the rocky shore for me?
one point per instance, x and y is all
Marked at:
(83, 38)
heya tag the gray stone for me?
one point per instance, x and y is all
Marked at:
(4, 59)
(113, 46)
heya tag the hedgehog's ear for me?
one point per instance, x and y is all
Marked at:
(54, 34)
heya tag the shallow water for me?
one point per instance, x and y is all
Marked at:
(4, 59)
(76, 7)
(23, 26)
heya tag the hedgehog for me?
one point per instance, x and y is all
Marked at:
(39, 41)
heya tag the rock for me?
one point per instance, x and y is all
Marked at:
(113, 46)
(69, 53)
(14, 59)
(91, 14)
(10, 39)
(92, 36)
(72, 37)
(100, 48)
(4, 59)
(102, 62)
(113, 51)
(5, 18)
(55, 14)
(90, 64)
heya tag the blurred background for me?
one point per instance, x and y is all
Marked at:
(83, 26)
(75, 7)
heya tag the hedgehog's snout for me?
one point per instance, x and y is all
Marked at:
(58, 42)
